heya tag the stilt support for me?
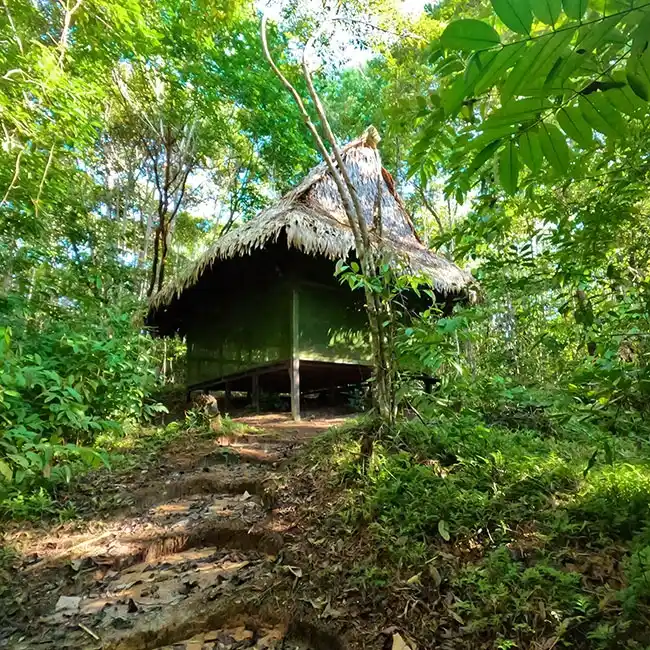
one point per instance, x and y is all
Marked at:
(294, 368)
(255, 393)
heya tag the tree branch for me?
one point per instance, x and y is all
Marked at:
(42, 183)
(13, 27)
(14, 179)
(310, 125)
(67, 23)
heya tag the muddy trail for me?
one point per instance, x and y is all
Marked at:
(186, 557)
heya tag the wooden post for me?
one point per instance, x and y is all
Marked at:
(227, 397)
(255, 393)
(294, 367)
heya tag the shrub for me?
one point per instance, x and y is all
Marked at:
(61, 386)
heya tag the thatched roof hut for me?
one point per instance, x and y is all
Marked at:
(282, 263)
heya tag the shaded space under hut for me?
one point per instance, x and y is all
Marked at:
(262, 310)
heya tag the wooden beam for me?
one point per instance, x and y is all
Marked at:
(221, 381)
(255, 393)
(294, 369)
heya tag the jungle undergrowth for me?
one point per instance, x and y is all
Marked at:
(527, 535)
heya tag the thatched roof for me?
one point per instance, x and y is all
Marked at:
(314, 221)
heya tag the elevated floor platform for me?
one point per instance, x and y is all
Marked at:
(305, 376)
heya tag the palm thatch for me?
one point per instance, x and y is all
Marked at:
(314, 220)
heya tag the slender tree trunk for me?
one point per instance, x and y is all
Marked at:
(154, 263)
(376, 311)
(164, 242)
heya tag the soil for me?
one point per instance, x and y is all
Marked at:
(204, 550)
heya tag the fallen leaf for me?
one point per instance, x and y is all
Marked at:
(457, 617)
(414, 579)
(241, 634)
(297, 571)
(435, 575)
(399, 643)
(443, 529)
(330, 612)
(68, 603)
(317, 603)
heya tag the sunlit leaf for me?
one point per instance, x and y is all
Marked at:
(625, 100)
(515, 14)
(443, 529)
(483, 156)
(541, 55)
(575, 9)
(469, 34)
(530, 150)
(548, 11)
(595, 115)
(452, 97)
(554, 147)
(638, 64)
(505, 59)
(574, 125)
(509, 168)
(6, 471)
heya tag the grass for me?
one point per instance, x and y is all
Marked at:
(530, 538)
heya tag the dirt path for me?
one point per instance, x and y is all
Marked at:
(184, 559)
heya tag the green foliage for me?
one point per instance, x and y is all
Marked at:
(504, 513)
(112, 126)
(636, 597)
(534, 87)
(63, 385)
(503, 598)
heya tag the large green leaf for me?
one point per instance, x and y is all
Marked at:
(478, 64)
(452, 97)
(469, 34)
(554, 147)
(505, 59)
(574, 125)
(491, 134)
(517, 111)
(638, 84)
(523, 109)
(548, 11)
(601, 115)
(575, 9)
(509, 167)
(482, 157)
(590, 37)
(539, 56)
(5, 471)
(531, 150)
(641, 38)
(638, 64)
(625, 101)
(609, 113)
(515, 14)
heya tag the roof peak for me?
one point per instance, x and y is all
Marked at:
(370, 137)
